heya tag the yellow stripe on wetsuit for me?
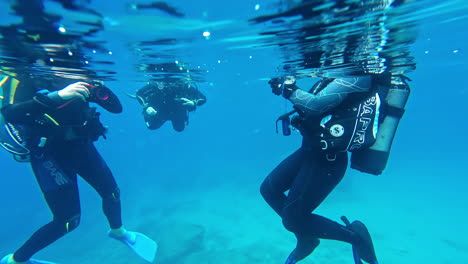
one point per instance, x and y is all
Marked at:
(4, 80)
(52, 119)
(13, 87)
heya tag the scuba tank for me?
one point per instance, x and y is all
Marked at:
(374, 159)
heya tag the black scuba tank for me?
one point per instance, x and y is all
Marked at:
(374, 159)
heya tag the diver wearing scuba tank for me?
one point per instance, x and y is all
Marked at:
(169, 100)
(310, 174)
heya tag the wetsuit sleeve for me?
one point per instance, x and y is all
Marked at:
(331, 96)
(28, 111)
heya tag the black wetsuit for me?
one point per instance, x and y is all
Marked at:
(310, 174)
(68, 151)
(166, 99)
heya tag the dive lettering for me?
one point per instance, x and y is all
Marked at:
(58, 176)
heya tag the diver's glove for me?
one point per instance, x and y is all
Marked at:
(187, 103)
(284, 86)
(151, 111)
(289, 86)
(276, 85)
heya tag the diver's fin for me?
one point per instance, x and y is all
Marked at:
(142, 245)
(303, 249)
(8, 259)
(365, 249)
(35, 261)
(357, 259)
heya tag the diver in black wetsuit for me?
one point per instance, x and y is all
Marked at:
(48, 114)
(310, 173)
(169, 100)
(59, 128)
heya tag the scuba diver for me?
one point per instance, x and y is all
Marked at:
(58, 127)
(169, 99)
(46, 120)
(337, 116)
(163, 101)
(356, 112)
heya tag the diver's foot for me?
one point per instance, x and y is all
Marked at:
(142, 245)
(364, 247)
(304, 248)
(8, 259)
(122, 235)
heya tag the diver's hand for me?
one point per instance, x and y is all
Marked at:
(187, 102)
(284, 86)
(276, 85)
(151, 111)
(289, 86)
(75, 90)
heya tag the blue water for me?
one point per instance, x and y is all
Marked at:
(196, 192)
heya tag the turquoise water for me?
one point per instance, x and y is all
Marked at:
(196, 192)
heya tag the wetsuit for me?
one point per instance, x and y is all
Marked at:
(166, 99)
(309, 173)
(61, 148)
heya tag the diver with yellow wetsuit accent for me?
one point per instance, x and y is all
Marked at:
(46, 119)
(58, 128)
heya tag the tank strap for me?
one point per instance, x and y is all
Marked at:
(394, 111)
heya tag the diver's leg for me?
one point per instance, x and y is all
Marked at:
(93, 169)
(280, 180)
(61, 194)
(154, 121)
(321, 174)
(179, 120)
(317, 177)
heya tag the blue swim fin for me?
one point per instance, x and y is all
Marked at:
(142, 245)
(8, 260)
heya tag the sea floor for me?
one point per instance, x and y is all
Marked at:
(230, 223)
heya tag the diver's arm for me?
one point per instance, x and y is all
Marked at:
(331, 96)
(197, 96)
(41, 103)
(30, 110)
(190, 98)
